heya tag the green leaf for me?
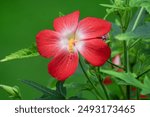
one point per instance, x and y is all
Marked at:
(41, 88)
(141, 3)
(140, 20)
(129, 79)
(21, 54)
(60, 88)
(126, 77)
(12, 91)
(137, 3)
(140, 32)
(147, 7)
(49, 97)
(146, 88)
(113, 6)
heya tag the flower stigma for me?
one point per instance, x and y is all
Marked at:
(71, 44)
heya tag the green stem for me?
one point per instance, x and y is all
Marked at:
(99, 96)
(115, 65)
(142, 74)
(137, 19)
(102, 85)
(126, 65)
(133, 28)
(134, 43)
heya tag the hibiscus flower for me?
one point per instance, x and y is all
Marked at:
(69, 37)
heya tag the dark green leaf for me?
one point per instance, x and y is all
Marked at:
(50, 97)
(41, 88)
(60, 88)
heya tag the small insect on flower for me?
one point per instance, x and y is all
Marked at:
(69, 37)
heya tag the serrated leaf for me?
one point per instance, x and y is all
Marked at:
(23, 53)
(12, 91)
(140, 32)
(41, 88)
(126, 77)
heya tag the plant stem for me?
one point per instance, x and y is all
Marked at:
(137, 19)
(134, 43)
(99, 96)
(102, 85)
(142, 74)
(126, 65)
(115, 65)
(133, 28)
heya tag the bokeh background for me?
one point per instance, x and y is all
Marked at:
(20, 21)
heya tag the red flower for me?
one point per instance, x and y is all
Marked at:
(71, 37)
(107, 80)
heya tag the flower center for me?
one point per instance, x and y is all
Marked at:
(71, 44)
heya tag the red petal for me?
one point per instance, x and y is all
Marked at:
(95, 51)
(47, 42)
(64, 65)
(67, 24)
(92, 27)
(107, 80)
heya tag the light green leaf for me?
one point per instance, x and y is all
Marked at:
(21, 54)
(128, 78)
(12, 91)
(140, 32)
(112, 6)
(146, 89)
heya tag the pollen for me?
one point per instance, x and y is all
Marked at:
(71, 45)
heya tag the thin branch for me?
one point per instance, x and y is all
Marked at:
(115, 65)
(142, 74)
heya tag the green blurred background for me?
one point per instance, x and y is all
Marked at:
(20, 21)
